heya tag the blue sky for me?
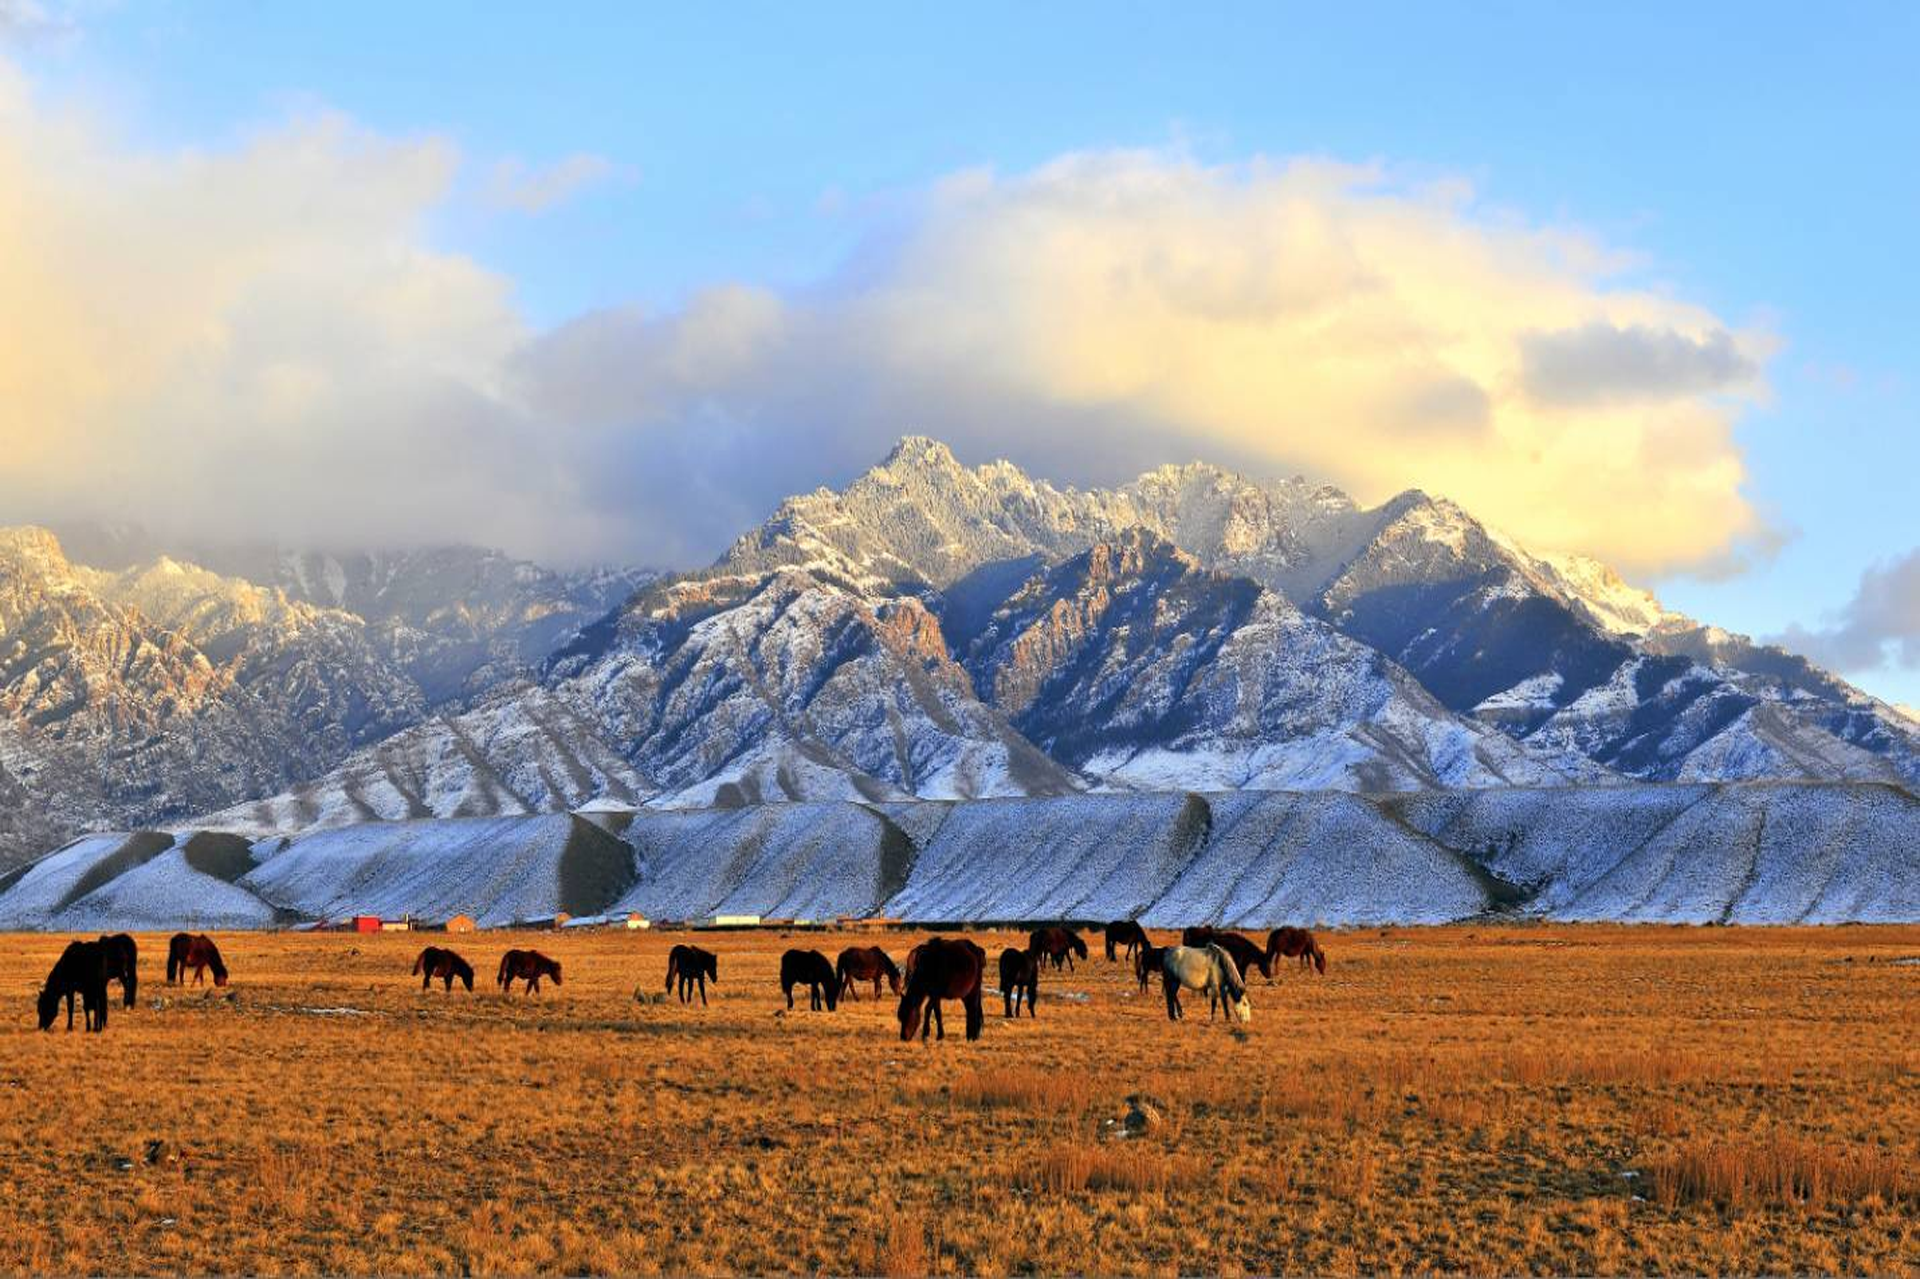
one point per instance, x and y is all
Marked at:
(1755, 161)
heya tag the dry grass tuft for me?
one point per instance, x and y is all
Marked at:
(1782, 1170)
(1075, 1169)
(1027, 1089)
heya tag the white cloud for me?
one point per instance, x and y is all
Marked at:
(261, 341)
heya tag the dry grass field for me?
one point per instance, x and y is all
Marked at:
(1590, 1099)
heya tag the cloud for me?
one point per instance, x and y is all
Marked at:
(262, 340)
(512, 185)
(30, 22)
(1599, 363)
(1878, 629)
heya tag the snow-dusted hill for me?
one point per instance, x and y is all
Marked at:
(1746, 853)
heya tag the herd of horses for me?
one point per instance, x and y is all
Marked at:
(85, 967)
(1210, 961)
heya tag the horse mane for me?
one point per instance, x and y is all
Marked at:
(1229, 971)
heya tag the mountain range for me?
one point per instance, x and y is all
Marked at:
(931, 631)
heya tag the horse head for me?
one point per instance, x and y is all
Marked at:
(909, 1015)
(49, 1007)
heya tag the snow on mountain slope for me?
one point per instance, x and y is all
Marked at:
(1133, 663)
(1746, 853)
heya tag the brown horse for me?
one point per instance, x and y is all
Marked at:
(1289, 943)
(123, 965)
(1146, 965)
(866, 963)
(689, 965)
(1245, 952)
(437, 961)
(81, 970)
(942, 969)
(1019, 977)
(529, 966)
(195, 951)
(1127, 933)
(1057, 944)
(811, 969)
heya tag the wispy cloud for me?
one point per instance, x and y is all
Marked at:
(513, 184)
(25, 22)
(1878, 629)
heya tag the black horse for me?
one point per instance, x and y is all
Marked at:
(123, 965)
(1019, 978)
(80, 970)
(1127, 933)
(689, 965)
(814, 970)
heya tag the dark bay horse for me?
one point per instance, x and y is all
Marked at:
(123, 965)
(1290, 943)
(811, 969)
(689, 965)
(529, 966)
(81, 970)
(1127, 933)
(866, 963)
(1019, 977)
(438, 961)
(1246, 952)
(1058, 944)
(195, 951)
(1146, 965)
(942, 969)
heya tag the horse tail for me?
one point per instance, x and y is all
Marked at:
(505, 964)
(421, 962)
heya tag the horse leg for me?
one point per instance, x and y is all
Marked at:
(976, 1015)
(703, 990)
(788, 987)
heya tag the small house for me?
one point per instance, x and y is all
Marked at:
(366, 923)
(461, 924)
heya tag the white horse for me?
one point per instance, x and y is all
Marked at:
(1207, 968)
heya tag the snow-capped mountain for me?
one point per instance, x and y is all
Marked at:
(1554, 650)
(930, 631)
(158, 689)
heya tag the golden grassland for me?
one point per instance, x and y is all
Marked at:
(1564, 1099)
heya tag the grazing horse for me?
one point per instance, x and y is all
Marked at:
(123, 965)
(1019, 977)
(1057, 944)
(1207, 968)
(1290, 942)
(811, 969)
(529, 966)
(437, 961)
(866, 963)
(80, 970)
(1146, 964)
(195, 951)
(1128, 933)
(690, 965)
(1244, 951)
(942, 969)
